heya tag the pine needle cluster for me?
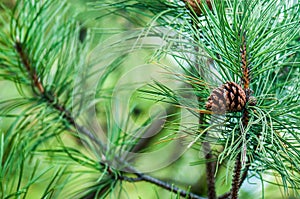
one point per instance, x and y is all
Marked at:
(49, 139)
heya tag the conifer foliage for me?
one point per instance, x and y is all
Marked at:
(235, 64)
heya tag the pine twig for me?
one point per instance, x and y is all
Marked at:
(236, 178)
(236, 182)
(69, 118)
(210, 166)
(42, 92)
(164, 185)
(26, 62)
(196, 6)
(243, 178)
(210, 171)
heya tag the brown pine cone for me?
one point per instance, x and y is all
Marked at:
(228, 97)
(195, 5)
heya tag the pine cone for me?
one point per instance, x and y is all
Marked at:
(195, 5)
(228, 97)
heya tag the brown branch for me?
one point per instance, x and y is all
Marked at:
(244, 175)
(236, 182)
(210, 165)
(210, 171)
(167, 186)
(196, 6)
(31, 71)
(70, 119)
(245, 69)
(236, 178)
(243, 178)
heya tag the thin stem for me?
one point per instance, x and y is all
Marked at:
(70, 119)
(39, 85)
(26, 62)
(244, 175)
(210, 171)
(236, 182)
(236, 178)
(196, 6)
(243, 178)
(244, 63)
(210, 166)
(167, 186)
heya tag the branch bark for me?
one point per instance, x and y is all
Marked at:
(236, 177)
(243, 178)
(165, 185)
(236, 182)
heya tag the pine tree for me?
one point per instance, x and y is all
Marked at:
(228, 86)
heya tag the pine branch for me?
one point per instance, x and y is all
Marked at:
(30, 70)
(210, 165)
(210, 171)
(25, 60)
(236, 182)
(245, 69)
(243, 178)
(280, 123)
(236, 178)
(196, 6)
(164, 185)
